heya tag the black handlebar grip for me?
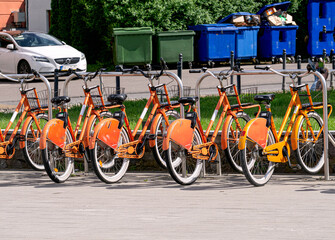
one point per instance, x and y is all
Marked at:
(35, 72)
(194, 71)
(262, 68)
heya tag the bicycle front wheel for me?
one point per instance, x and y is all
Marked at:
(31, 150)
(57, 165)
(183, 168)
(160, 130)
(310, 152)
(256, 167)
(234, 129)
(106, 164)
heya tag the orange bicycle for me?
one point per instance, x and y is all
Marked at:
(261, 145)
(60, 145)
(186, 145)
(35, 108)
(113, 143)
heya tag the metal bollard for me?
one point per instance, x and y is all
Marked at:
(238, 79)
(232, 66)
(332, 75)
(180, 66)
(56, 83)
(284, 67)
(299, 67)
(324, 55)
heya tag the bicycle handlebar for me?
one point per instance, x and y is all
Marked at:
(24, 79)
(145, 74)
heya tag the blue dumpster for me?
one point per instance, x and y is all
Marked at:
(321, 25)
(214, 42)
(272, 40)
(246, 38)
(320, 13)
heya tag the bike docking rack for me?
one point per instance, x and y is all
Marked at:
(118, 75)
(285, 73)
(30, 77)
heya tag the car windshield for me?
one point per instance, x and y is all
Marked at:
(36, 40)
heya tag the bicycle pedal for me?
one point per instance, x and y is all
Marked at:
(295, 166)
(152, 136)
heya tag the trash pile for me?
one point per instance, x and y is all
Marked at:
(278, 17)
(245, 20)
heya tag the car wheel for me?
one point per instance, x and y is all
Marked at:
(23, 67)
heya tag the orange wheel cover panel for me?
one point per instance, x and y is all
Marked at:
(152, 129)
(295, 132)
(108, 132)
(224, 132)
(256, 130)
(23, 131)
(55, 132)
(180, 132)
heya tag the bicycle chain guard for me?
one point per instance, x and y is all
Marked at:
(7, 150)
(274, 152)
(129, 150)
(206, 151)
(72, 150)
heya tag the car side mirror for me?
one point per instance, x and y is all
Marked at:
(10, 46)
(64, 43)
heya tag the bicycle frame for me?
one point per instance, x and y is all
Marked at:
(129, 150)
(257, 129)
(181, 131)
(56, 128)
(26, 110)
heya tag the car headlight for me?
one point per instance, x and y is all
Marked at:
(40, 59)
(82, 57)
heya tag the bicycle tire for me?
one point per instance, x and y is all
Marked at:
(90, 130)
(256, 168)
(160, 130)
(310, 153)
(183, 168)
(107, 166)
(31, 150)
(59, 170)
(233, 135)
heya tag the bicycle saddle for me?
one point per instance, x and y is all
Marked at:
(117, 98)
(190, 100)
(60, 100)
(267, 97)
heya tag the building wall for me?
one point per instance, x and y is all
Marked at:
(38, 15)
(6, 9)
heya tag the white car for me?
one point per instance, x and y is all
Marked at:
(21, 51)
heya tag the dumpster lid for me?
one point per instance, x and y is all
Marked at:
(227, 19)
(132, 31)
(176, 33)
(214, 27)
(282, 6)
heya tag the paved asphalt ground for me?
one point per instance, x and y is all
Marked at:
(153, 206)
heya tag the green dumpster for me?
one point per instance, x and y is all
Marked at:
(132, 45)
(171, 43)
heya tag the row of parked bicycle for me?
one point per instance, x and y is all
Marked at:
(105, 139)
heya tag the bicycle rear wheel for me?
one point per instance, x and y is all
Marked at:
(160, 130)
(256, 167)
(31, 150)
(57, 165)
(106, 164)
(183, 168)
(233, 134)
(310, 152)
